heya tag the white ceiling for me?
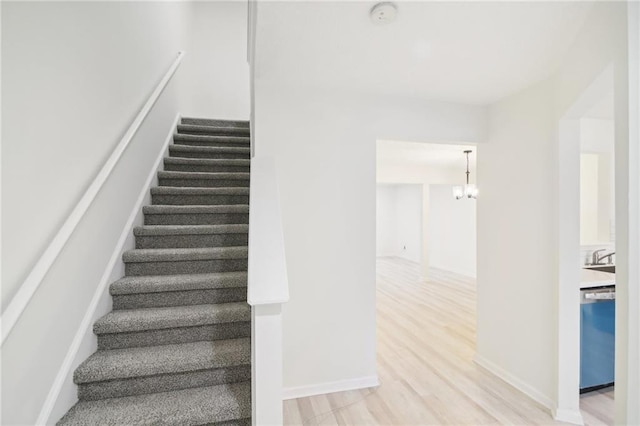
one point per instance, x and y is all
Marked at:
(424, 154)
(468, 52)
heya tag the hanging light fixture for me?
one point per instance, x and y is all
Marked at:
(469, 190)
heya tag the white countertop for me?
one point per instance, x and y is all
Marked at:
(590, 278)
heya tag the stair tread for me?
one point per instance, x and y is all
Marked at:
(182, 190)
(211, 161)
(203, 175)
(184, 254)
(211, 138)
(169, 209)
(212, 149)
(131, 320)
(127, 363)
(195, 406)
(161, 283)
(147, 230)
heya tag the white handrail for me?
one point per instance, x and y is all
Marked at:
(20, 301)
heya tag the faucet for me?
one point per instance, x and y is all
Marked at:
(596, 259)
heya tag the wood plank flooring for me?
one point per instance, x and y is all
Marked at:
(426, 344)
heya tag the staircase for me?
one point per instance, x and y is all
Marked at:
(176, 349)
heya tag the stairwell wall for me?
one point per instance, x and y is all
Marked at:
(215, 78)
(74, 76)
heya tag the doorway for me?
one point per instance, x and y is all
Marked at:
(418, 217)
(586, 345)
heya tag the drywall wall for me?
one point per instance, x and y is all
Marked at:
(66, 69)
(589, 199)
(452, 231)
(597, 201)
(597, 138)
(74, 76)
(216, 72)
(516, 292)
(399, 221)
(71, 87)
(324, 144)
(531, 347)
(409, 222)
(385, 220)
(596, 135)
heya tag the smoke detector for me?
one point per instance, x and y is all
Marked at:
(383, 13)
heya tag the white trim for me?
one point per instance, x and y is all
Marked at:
(28, 288)
(568, 416)
(514, 381)
(330, 387)
(85, 326)
(266, 365)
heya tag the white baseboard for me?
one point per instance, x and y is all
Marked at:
(568, 416)
(463, 272)
(516, 382)
(330, 387)
(84, 342)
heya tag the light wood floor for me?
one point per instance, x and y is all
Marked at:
(426, 344)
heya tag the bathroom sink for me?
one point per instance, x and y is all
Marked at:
(603, 268)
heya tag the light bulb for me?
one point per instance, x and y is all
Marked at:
(458, 192)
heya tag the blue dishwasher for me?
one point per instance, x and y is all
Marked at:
(597, 338)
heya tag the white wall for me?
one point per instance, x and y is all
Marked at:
(216, 72)
(519, 333)
(452, 231)
(589, 199)
(516, 324)
(325, 147)
(386, 220)
(399, 221)
(596, 135)
(597, 139)
(409, 221)
(74, 76)
(71, 86)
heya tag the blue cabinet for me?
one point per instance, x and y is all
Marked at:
(597, 341)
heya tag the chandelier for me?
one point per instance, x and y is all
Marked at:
(469, 190)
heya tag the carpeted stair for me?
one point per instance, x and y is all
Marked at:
(176, 349)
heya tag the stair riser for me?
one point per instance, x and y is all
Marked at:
(162, 383)
(212, 144)
(200, 200)
(210, 155)
(206, 168)
(179, 298)
(196, 219)
(219, 143)
(213, 131)
(231, 330)
(205, 183)
(240, 422)
(185, 267)
(191, 241)
(215, 123)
